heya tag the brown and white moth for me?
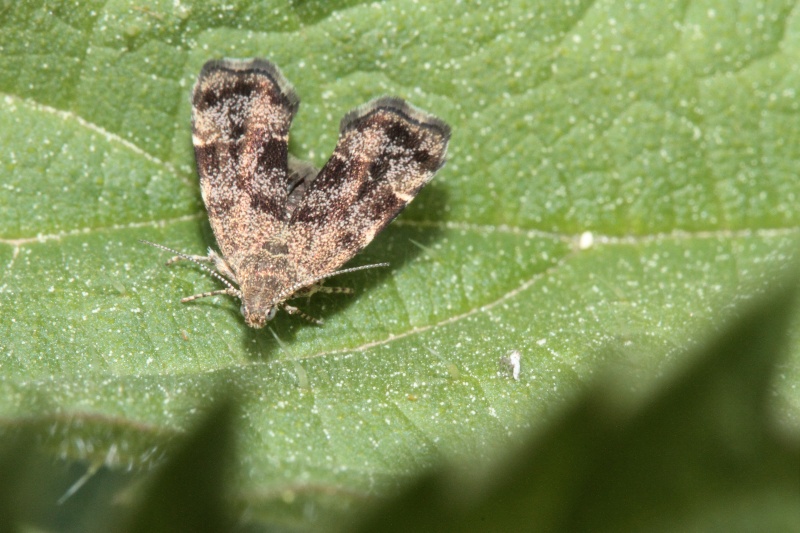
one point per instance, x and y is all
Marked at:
(282, 226)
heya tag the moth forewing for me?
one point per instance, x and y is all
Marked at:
(387, 151)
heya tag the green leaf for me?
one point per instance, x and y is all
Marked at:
(700, 455)
(187, 494)
(619, 177)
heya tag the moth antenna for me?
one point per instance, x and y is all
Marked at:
(306, 283)
(182, 255)
(348, 270)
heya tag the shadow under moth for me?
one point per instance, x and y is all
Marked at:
(282, 226)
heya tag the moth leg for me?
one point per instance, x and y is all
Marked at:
(295, 311)
(213, 257)
(222, 266)
(335, 290)
(318, 287)
(230, 292)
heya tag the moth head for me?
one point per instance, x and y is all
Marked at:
(260, 299)
(262, 282)
(256, 316)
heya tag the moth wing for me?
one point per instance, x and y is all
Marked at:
(241, 113)
(387, 151)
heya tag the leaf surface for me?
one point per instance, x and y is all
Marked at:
(619, 178)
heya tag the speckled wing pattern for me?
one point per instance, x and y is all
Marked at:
(241, 113)
(387, 151)
(283, 226)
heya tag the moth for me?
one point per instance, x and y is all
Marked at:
(282, 226)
